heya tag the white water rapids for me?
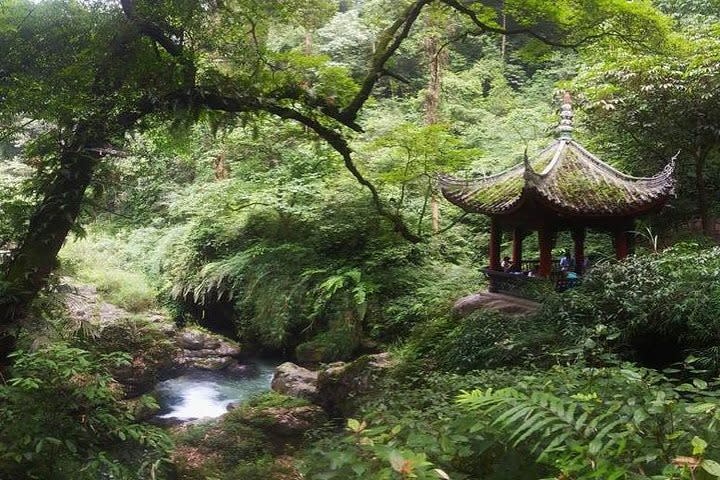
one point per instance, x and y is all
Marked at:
(206, 394)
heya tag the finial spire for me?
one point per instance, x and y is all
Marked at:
(566, 118)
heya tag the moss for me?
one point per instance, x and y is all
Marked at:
(576, 186)
(273, 399)
(509, 188)
(238, 445)
(336, 344)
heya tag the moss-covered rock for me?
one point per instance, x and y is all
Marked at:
(253, 440)
(341, 384)
(295, 381)
(338, 343)
(148, 343)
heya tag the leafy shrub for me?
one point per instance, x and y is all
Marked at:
(615, 422)
(411, 426)
(484, 339)
(658, 307)
(62, 418)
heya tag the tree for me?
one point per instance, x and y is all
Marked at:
(652, 106)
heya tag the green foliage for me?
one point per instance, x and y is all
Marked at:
(655, 308)
(411, 422)
(62, 418)
(103, 261)
(236, 445)
(485, 339)
(619, 422)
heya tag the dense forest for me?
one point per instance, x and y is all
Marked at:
(216, 186)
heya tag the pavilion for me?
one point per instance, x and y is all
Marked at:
(563, 188)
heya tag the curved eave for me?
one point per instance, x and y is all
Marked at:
(604, 191)
(639, 194)
(569, 211)
(464, 192)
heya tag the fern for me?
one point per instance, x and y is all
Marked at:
(596, 423)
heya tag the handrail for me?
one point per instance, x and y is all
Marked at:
(521, 285)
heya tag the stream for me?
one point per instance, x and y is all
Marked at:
(203, 394)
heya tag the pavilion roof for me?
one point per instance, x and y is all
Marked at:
(565, 178)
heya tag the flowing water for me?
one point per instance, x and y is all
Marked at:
(206, 394)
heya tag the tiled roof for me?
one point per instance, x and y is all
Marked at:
(565, 177)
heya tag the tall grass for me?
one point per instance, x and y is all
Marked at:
(104, 262)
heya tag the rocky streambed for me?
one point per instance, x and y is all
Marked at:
(192, 373)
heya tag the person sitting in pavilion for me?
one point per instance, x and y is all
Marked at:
(506, 265)
(567, 263)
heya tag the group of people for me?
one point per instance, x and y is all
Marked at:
(567, 267)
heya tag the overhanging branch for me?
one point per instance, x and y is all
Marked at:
(388, 43)
(217, 101)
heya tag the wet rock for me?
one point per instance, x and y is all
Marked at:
(197, 340)
(295, 381)
(245, 370)
(205, 351)
(341, 383)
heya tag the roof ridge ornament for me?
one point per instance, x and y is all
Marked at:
(565, 127)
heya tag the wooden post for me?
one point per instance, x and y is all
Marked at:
(546, 239)
(517, 248)
(620, 242)
(578, 236)
(495, 239)
(630, 235)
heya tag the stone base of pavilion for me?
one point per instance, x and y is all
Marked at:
(509, 304)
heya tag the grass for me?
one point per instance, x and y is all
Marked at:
(103, 262)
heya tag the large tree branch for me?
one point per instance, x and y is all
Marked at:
(333, 138)
(485, 27)
(388, 42)
(151, 30)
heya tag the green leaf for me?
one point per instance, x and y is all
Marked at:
(700, 408)
(639, 415)
(711, 467)
(701, 384)
(397, 462)
(699, 445)
(441, 474)
(353, 425)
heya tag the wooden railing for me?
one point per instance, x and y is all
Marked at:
(521, 285)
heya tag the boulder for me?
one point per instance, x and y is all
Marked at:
(197, 340)
(341, 383)
(205, 351)
(295, 381)
(495, 301)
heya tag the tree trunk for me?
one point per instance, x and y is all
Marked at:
(27, 273)
(221, 167)
(503, 42)
(437, 59)
(702, 207)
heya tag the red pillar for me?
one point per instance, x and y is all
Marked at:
(578, 236)
(621, 244)
(495, 239)
(517, 248)
(546, 239)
